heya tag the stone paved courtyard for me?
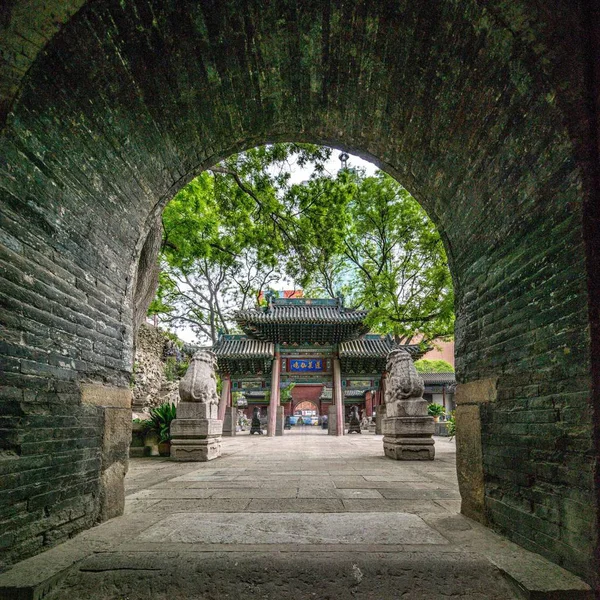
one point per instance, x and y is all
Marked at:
(303, 516)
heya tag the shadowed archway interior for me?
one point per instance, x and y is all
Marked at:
(130, 100)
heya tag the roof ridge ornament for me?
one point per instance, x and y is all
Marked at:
(269, 297)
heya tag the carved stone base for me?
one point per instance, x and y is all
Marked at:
(196, 450)
(354, 427)
(196, 439)
(408, 438)
(230, 421)
(256, 427)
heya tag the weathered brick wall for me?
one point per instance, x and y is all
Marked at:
(304, 392)
(462, 104)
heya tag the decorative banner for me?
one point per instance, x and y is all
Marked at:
(306, 365)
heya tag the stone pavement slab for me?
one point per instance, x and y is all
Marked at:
(294, 528)
(201, 505)
(353, 493)
(318, 492)
(305, 515)
(357, 482)
(270, 492)
(299, 505)
(411, 494)
(172, 493)
(419, 507)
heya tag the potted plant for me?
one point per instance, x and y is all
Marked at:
(436, 411)
(160, 419)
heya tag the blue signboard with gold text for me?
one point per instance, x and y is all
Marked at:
(306, 365)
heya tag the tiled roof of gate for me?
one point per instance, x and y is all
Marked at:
(243, 347)
(354, 393)
(325, 315)
(293, 321)
(375, 346)
(438, 378)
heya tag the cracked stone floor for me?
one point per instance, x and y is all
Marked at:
(300, 516)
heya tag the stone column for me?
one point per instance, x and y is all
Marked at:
(379, 416)
(369, 402)
(332, 419)
(407, 428)
(230, 421)
(225, 399)
(274, 404)
(381, 407)
(338, 398)
(196, 432)
(280, 420)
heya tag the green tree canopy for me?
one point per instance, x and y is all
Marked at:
(387, 257)
(241, 226)
(226, 232)
(426, 365)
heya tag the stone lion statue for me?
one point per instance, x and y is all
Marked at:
(404, 387)
(199, 384)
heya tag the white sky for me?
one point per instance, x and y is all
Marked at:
(333, 165)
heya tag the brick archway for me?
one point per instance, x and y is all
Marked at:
(306, 404)
(463, 105)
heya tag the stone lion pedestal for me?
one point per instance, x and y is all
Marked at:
(196, 432)
(407, 428)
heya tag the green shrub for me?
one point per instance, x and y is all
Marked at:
(174, 369)
(435, 410)
(285, 395)
(160, 420)
(426, 365)
(452, 425)
(172, 337)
